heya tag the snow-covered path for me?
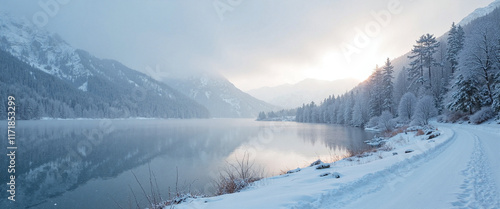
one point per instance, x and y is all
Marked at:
(465, 175)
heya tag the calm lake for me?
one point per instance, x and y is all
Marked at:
(91, 163)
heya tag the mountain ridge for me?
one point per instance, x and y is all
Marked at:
(221, 97)
(113, 85)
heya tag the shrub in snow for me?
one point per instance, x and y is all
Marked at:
(386, 122)
(234, 177)
(454, 116)
(373, 122)
(482, 115)
(406, 108)
(424, 111)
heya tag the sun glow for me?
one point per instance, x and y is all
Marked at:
(333, 66)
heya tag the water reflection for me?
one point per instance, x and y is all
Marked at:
(61, 164)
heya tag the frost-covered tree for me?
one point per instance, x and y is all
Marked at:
(348, 108)
(407, 106)
(422, 58)
(340, 112)
(424, 111)
(400, 85)
(482, 62)
(357, 115)
(376, 89)
(465, 95)
(456, 37)
(386, 122)
(387, 87)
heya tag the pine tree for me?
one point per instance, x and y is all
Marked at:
(466, 96)
(357, 115)
(422, 57)
(456, 37)
(376, 101)
(388, 87)
(348, 108)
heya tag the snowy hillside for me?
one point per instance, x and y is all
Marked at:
(48, 53)
(110, 83)
(294, 95)
(219, 96)
(480, 12)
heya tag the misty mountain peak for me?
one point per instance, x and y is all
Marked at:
(480, 12)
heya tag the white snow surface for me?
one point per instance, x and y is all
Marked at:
(458, 169)
(480, 12)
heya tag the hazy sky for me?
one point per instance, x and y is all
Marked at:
(253, 43)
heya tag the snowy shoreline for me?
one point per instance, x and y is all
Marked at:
(339, 184)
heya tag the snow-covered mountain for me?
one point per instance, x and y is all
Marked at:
(109, 82)
(480, 12)
(219, 96)
(294, 95)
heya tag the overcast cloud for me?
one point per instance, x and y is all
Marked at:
(258, 42)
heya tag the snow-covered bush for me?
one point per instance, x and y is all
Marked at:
(482, 115)
(454, 116)
(373, 122)
(386, 122)
(424, 111)
(406, 108)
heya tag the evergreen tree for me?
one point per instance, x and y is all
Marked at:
(388, 87)
(456, 37)
(400, 85)
(357, 115)
(466, 96)
(422, 57)
(376, 101)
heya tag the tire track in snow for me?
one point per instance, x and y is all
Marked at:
(478, 188)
